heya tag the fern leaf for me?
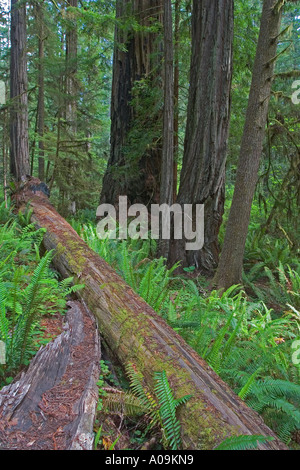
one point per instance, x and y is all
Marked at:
(243, 442)
(171, 425)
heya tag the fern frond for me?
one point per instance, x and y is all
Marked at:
(243, 442)
(125, 403)
(168, 405)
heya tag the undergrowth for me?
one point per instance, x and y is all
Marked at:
(29, 289)
(242, 337)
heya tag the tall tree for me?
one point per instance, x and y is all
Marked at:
(136, 105)
(202, 178)
(167, 164)
(41, 84)
(71, 67)
(230, 268)
(176, 95)
(19, 149)
(69, 195)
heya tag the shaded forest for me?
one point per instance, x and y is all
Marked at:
(150, 180)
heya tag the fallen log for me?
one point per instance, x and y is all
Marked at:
(133, 332)
(53, 404)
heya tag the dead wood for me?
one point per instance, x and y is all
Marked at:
(52, 406)
(133, 332)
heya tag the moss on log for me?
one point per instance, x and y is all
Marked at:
(135, 333)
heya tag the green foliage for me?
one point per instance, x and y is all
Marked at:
(157, 407)
(29, 288)
(167, 411)
(243, 340)
(243, 442)
(133, 260)
(161, 405)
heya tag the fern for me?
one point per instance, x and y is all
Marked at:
(161, 407)
(248, 385)
(25, 322)
(168, 406)
(247, 343)
(243, 442)
(124, 403)
(141, 391)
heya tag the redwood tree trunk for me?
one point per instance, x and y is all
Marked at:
(41, 93)
(71, 107)
(231, 261)
(202, 179)
(135, 160)
(176, 96)
(167, 165)
(71, 64)
(19, 149)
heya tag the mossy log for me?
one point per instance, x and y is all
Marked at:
(133, 332)
(52, 406)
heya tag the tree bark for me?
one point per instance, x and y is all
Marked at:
(202, 179)
(53, 404)
(19, 148)
(230, 268)
(71, 105)
(41, 93)
(135, 160)
(176, 97)
(133, 332)
(167, 164)
(71, 67)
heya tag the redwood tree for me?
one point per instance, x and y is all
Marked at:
(19, 149)
(202, 179)
(41, 84)
(229, 271)
(167, 162)
(136, 105)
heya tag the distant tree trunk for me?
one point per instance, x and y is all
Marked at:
(229, 271)
(135, 160)
(41, 98)
(19, 149)
(71, 60)
(71, 105)
(202, 179)
(5, 141)
(176, 97)
(167, 166)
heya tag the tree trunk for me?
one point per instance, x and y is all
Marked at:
(202, 179)
(19, 149)
(133, 332)
(53, 404)
(71, 65)
(167, 165)
(230, 268)
(71, 105)
(135, 159)
(41, 93)
(176, 97)
(5, 140)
